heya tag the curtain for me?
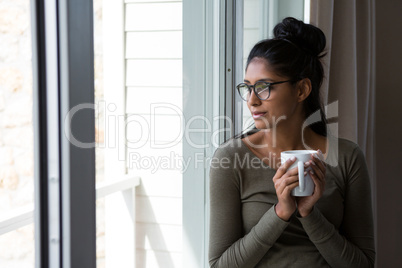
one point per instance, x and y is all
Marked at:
(350, 72)
(350, 68)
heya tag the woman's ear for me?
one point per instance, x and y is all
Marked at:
(303, 89)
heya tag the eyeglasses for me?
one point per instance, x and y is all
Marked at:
(261, 89)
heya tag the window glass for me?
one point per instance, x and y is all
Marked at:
(154, 77)
(16, 135)
(139, 112)
(252, 33)
(260, 17)
(99, 131)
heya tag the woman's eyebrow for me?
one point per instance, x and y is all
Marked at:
(263, 79)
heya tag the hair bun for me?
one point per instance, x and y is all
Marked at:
(305, 36)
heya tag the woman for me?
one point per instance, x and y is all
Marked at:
(255, 221)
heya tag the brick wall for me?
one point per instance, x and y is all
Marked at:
(16, 128)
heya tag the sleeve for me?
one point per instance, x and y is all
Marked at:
(228, 246)
(353, 244)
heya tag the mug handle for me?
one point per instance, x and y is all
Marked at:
(300, 166)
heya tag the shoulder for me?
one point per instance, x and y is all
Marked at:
(346, 145)
(222, 165)
(347, 155)
(229, 148)
(349, 149)
(226, 156)
(342, 149)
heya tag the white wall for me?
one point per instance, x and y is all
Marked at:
(154, 75)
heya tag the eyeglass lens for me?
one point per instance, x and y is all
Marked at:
(261, 89)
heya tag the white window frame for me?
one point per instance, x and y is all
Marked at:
(211, 48)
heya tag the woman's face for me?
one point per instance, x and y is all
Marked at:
(280, 107)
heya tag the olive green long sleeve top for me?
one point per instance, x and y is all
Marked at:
(246, 232)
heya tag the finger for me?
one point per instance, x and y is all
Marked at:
(284, 167)
(321, 164)
(319, 184)
(292, 172)
(318, 162)
(280, 185)
(313, 166)
(317, 171)
(288, 189)
(319, 155)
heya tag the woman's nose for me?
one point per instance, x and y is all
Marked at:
(253, 99)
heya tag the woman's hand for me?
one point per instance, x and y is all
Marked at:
(285, 181)
(305, 204)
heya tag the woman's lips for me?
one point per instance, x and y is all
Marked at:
(258, 115)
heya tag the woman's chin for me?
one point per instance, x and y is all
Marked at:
(261, 124)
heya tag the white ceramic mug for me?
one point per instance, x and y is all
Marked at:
(306, 184)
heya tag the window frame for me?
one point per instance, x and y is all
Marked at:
(64, 174)
(212, 52)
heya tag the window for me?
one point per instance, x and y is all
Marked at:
(142, 70)
(16, 137)
(152, 81)
(260, 17)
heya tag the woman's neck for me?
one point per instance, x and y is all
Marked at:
(287, 136)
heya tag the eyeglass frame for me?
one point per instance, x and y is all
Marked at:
(255, 93)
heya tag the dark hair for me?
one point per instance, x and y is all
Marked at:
(295, 52)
